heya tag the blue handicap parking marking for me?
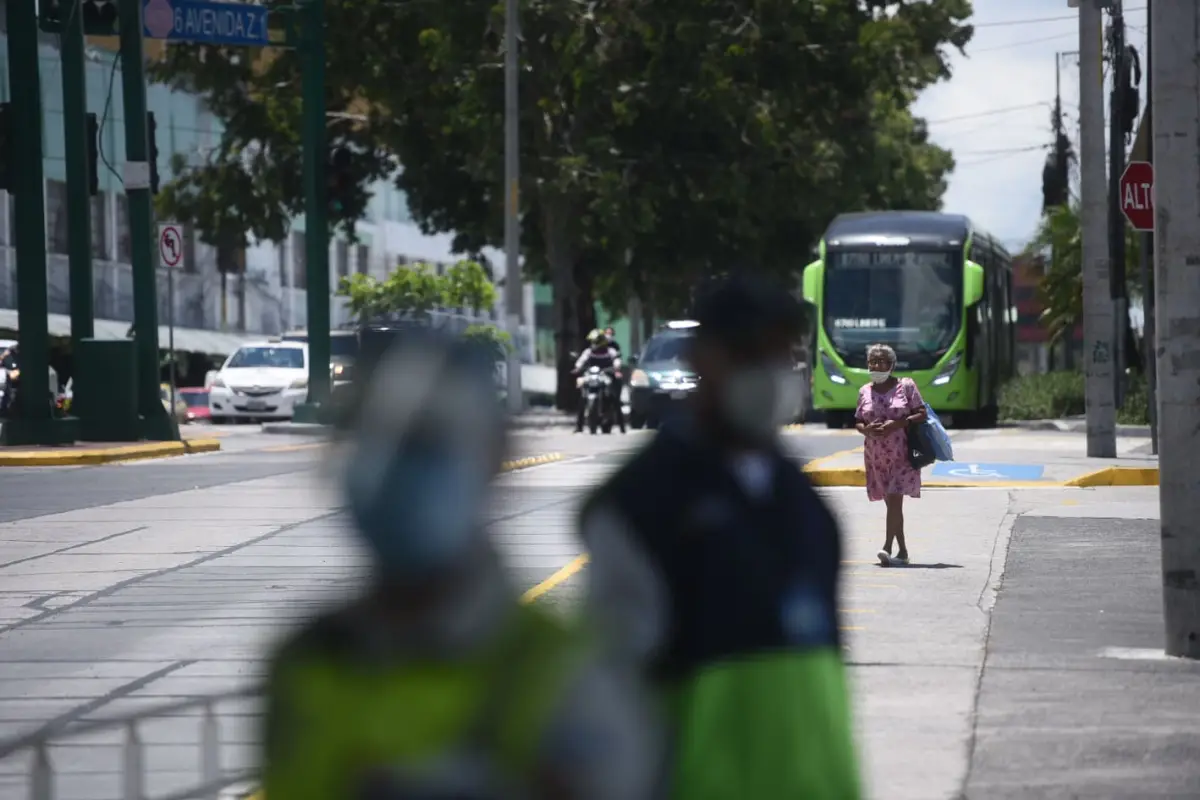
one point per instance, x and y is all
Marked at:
(962, 470)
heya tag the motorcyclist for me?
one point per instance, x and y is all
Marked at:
(601, 354)
(437, 683)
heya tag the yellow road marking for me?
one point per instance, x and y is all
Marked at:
(291, 448)
(562, 575)
(816, 463)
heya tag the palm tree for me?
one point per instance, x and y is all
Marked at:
(1060, 234)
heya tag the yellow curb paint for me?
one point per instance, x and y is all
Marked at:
(107, 455)
(815, 464)
(1117, 476)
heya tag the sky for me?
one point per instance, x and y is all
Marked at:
(994, 112)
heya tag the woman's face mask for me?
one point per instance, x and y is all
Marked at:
(758, 400)
(417, 512)
(879, 375)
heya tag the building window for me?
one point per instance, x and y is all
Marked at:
(100, 226)
(362, 257)
(342, 249)
(124, 240)
(56, 217)
(299, 261)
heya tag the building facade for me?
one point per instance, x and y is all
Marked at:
(270, 295)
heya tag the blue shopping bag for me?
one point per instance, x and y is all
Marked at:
(936, 437)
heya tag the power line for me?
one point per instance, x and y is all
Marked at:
(990, 113)
(1036, 20)
(1004, 150)
(1025, 43)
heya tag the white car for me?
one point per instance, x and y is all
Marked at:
(260, 381)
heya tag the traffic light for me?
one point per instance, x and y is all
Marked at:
(340, 181)
(152, 142)
(93, 143)
(6, 148)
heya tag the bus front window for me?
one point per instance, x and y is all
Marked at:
(911, 300)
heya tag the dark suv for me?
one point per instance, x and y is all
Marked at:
(660, 379)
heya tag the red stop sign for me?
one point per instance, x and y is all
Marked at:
(1137, 195)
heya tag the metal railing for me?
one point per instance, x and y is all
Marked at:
(214, 781)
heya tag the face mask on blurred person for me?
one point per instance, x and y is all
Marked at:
(879, 376)
(759, 400)
(417, 512)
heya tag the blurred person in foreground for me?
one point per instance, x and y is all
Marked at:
(437, 683)
(714, 565)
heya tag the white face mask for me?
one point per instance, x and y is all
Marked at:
(760, 400)
(879, 377)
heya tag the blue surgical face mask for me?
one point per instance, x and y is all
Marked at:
(418, 513)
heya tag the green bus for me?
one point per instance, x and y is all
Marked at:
(932, 286)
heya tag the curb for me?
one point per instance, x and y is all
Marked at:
(1117, 476)
(531, 461)
(1109, 476)
(1072, 426)
(135, 452)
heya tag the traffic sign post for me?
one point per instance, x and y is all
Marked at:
(170, 255)
(1137, 195)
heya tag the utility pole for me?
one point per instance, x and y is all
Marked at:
(513, 285)
(1175, 65)
(1146, 262)
(316, 209)
(157, 423)
(34, 424)
(75, 145)
(1097, 305)
(1116, 220)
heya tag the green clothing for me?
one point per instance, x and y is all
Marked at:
(338, 715)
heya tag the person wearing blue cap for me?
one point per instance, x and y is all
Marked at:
(436, 683)
(714, 568)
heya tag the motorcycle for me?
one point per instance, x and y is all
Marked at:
(12, 386)
(599, 411)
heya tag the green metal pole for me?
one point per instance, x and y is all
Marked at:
(316, 222)
(157, 424)
(35, 423)
(79, 216)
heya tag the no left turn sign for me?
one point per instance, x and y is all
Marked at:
(170, 244)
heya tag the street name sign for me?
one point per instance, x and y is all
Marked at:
(206, 23)
(170, 244)
(1137, 195)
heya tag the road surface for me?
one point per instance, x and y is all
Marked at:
(124, 587)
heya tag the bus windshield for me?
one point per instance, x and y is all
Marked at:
(909, 299)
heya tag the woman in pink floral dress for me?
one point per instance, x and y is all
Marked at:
(887, 406)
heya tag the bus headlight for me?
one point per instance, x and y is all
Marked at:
(832, 371)
(639, 379)
(947, 372)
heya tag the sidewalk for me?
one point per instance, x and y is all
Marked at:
(1014, 458)
(1077, 698)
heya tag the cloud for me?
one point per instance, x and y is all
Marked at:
(994, 112)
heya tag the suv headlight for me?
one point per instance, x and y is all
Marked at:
(832, 371)
(218, 383)
(639, 379)
(947, 372)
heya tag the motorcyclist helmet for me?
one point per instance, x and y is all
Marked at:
(600, 341)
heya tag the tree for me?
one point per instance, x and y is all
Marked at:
(1059, 233)
(701, 137)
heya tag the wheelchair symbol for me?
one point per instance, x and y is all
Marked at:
(973, 471)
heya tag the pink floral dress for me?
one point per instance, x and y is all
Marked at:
(886, 457)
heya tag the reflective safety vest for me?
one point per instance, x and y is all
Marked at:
(342, 723)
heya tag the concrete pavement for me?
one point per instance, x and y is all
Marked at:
(126, 586)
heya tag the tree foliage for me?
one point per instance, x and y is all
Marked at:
(662, 142)
(1059, 240)
(414, 290)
